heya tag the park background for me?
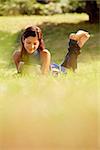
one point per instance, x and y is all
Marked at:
(43, 112)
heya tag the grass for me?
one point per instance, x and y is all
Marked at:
(48, 113)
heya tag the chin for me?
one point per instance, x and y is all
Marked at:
(30, 52)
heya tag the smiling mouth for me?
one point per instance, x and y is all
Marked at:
(31, 50)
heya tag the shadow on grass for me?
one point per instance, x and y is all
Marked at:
(55, 37)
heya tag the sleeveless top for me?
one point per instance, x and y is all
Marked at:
(30, 59)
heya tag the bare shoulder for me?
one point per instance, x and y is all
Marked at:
(17, 52)
(45, 51)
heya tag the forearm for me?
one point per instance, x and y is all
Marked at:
(45, 61)
(17, 59)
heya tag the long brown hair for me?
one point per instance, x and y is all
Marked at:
(35, 32)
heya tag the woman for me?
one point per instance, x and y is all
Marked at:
(32, 46)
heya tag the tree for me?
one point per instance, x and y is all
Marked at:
(92, 10)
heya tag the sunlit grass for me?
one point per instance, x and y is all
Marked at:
(50, 112)
(16, 23)
(44, 112)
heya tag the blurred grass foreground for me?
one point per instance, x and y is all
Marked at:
(48, 113)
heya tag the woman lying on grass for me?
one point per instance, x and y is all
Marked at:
(32, 48)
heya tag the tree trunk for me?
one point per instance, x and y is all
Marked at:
(92, 10)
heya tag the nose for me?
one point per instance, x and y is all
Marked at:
(33, 46)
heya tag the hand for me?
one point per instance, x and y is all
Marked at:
(20, 66)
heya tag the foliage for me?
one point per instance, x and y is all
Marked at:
(76, 6)
(16, 7)
(30, 7)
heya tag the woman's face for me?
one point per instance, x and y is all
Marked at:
(31, 44)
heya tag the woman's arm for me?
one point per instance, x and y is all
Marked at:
(17, 59)
(45, 61)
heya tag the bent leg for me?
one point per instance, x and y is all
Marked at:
(83, 40)
(70, 61)
(45, 57)
(83, 37)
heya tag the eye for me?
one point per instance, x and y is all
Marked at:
(35, 43)
(28, 42)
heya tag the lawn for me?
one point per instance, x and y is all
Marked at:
(43, 112)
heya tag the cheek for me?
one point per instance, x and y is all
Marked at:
(37, 45)
(25, 45)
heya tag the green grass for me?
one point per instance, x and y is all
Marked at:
(43, 112)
